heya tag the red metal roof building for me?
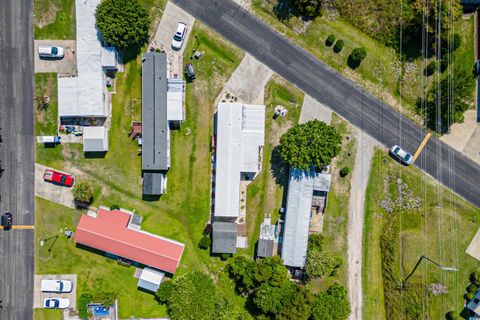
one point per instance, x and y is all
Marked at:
(111, 231)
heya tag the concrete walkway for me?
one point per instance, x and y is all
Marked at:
(312, 109)
(360, 173)
(50, 191)
(248, 81)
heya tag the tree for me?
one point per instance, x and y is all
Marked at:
(82, 305)
(332, 304)
(316, 241)
(193, 297)
(271, 300)
(299, 305)
(344, 171)
(431, 68)
(205, 242)
(330, 40)
(356, 57)
(164, 292)
(83, 191)
(123, 24)
(451, 315)
(475, 278)
(320, 263)
(308, 9)
(338, 46)
(270, 270)
(312, 143)
(241, 270)
(447, 100)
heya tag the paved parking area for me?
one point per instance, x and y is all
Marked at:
(67, 65)
(50, 191)
(39, 296)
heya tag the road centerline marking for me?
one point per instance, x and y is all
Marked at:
(21, 227)
(421, 146)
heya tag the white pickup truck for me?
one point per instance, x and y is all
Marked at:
(58, 286)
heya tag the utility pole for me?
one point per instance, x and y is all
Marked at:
(444, 268)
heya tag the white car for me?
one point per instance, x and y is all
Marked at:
(179, 36)
(58, 286)
(56, 303)
(51, 52)
(403, 156)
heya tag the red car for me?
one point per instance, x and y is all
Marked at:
(58, 178)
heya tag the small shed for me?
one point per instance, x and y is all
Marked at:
(224, 237)
(150, 279)
(266, 239)
(109, 59)
(95, 139)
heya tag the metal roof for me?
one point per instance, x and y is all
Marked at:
(155, 131)
(108, 232)
(240, 136)
(109, 57)
(265, 248)
(150, 279)
(95, 139)
(154, 183)
(224, 237)
(83, 95)
(301, 185)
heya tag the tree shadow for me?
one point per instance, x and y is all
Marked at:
(279, 167)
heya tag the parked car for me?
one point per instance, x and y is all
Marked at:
(49, 139)
(179, 36)
(59, 178)
(190, 72)
(57, 286)
(7, 220)
(51, 52)
(56, 303)
(402, 156)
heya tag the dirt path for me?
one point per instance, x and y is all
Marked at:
(360, 173)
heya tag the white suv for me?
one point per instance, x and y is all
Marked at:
(58, 286)
(179, 36)
(51, 52)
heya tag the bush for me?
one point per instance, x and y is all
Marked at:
(330, 40)
(451, 315)
(430, 68)
(316, 241)
(225, 256)
(164, 292)
(469, 296)
(472, 287)
(338, 46)
(114, 207)
(356, 57)
(123, 24)
(475, 278)
(205, 242)
(82, 304)
(344, 171)
(83, 191)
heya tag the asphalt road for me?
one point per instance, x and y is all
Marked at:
(17, 157)
(379, 120)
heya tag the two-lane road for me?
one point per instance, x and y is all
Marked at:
(449, 167)
(17, 158)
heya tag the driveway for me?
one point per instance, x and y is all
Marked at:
(67, 65)
(312, 109)
(39, 296)
(50, 191)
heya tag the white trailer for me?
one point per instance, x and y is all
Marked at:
(58, 286)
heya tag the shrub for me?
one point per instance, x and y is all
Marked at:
(205, 242)
(83, 191)
(123, 23)
(469, 296)
(225, 256)
(475, 278)
(451, 315)
(344, 171)
(472, 287)
(114, 207)
(316, 241)
(430, 68)
(338, 46)
(83, 300)
(330, 40)
(356, 57)
(164, 292)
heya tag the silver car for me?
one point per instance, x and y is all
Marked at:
(51, 52)
(56, 303)
(402, 156)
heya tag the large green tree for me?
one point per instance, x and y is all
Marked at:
(193, 297)
(320, 263)
(332, 304)
(312, 143)
(307, 8)
(123, 24)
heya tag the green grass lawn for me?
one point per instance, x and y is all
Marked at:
(54, 19)
(441, 227)
(46, 119)
(381, 73)
(265, 193)
(335, 224)
(46, 314)
(182, 213)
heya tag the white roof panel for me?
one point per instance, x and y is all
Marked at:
(95, 139)
(174, 106)
(240, 133)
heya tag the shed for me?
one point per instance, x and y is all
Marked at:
(224, 237)
(150, 279)
(95, 139)
(109, 58)
(154, 183)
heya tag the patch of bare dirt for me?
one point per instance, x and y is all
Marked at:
(45, 13)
